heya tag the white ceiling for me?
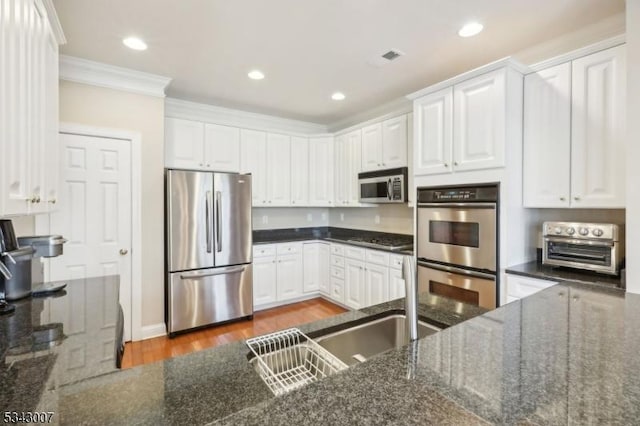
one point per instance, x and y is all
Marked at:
(310, 48)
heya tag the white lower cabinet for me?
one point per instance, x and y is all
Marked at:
(396, 279)
(519, 286)
(264, 280)
(377, 284)
(277, 273)
(289, 276)
(316, 268)
(355, 294)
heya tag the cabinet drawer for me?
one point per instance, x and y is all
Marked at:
(395, 261)
(337, 261)
(264, 250)
(518, 286)
(289, 248)
(337, 249)
(337, 272)
(337, 290)
(378, 257)
(354, 253)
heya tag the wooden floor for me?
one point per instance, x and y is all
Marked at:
(159, 348)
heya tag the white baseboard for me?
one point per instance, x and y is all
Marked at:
(153, 330)
(302, 298)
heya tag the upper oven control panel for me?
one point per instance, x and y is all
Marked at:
(579, 230)
(483, 193)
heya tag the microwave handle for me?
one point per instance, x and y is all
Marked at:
(389, 189)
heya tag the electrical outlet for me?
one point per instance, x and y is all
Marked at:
(265, 219)
(341, 217)
(309, 217)
(377, 219)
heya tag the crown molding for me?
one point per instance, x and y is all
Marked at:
(383, 112)
(501, 63)
(187, 110)
(54, 22)
(578, 53)
(98, 74)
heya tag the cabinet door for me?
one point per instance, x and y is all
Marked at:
(321, 171)
(52, 145)
(355, 294)
(396, 284)
(184, 144)
(278, 170)
(253, 159)
(289, 276)
(324, 277)
(598, 130)
(353, 167)
(394, 142)
(433, 133)
(376, 284)
(372, 147)
(479, 120)
(410, 183)
(547, 137)
(264, 280)
(299, 171)
(519, 287)
(341, 165)
(222, 148)
(311, 267)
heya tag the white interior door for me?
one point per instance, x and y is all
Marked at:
(95, 213)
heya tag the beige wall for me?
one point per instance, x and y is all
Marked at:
(282, 218)
(101, 107)
(396, 218)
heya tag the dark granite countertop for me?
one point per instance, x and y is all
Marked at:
(327, 233)
(50, 343)
(535, 269)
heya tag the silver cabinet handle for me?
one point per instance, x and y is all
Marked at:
(446, 164)
(218, 220)
(222, 271)
(207, 210)
(52, 201)
(576, 198)
(562, 199)
(455, 163)
(123, 252)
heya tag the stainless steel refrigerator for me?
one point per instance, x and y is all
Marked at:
(208, 249)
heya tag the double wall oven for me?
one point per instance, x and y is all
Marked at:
(457, 243)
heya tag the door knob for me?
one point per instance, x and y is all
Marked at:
(123, 252)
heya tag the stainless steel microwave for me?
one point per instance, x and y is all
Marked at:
(383, 186)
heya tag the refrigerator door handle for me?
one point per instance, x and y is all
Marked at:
(218, 220)
(208, 220)
(223, 271)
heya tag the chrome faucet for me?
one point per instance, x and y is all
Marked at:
(411, 296)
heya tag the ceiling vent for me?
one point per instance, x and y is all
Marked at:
(385, 58)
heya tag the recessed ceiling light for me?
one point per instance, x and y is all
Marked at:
(256, 75)
(338, 96)
(135, 43)
(470, 29)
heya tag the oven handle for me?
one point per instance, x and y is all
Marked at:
(465, 205)
(455, 270)
(580, 242)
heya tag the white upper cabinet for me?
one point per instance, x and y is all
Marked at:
(384, 145)
(321, 171)
(433, 130)
(253, 159)
(198, 146)
(184, 144)
(299, 171)
(278, 169)
(348, 160)
(372, 147)
(574, 133)
(394, 142)
(547, 137)
(598, 129)
(341, 164)
(28, 109)
(222, 148)
(479, 116)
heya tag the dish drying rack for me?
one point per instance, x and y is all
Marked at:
(288, 359)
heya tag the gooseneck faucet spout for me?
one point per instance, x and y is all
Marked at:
(411, 298)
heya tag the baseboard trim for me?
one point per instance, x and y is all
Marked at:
(302, 298)
(154, 330)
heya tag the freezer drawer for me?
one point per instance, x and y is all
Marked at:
(208, 296)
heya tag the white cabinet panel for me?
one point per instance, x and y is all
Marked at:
(289, 276)
(278, 168)
(396, 284)
(372, 147)
(479, 122)
(433, 133)
(299, 171)
(311, 268)
(341, 164)
(222, 148)
(376, 284)
(394, 142)
(184, 144)
(355, 293)
(321, 171)
(353, 165)
(337, 290)
(598, 129)
(547, 137)
(519, 286)
(253, 159)
(264, 280)
(324, 283)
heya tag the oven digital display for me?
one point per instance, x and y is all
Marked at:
(455, 195)
(465, 234)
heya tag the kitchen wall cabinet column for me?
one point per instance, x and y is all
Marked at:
(221, 148)
(278, 169)
(321, 171)
(394, 142)
(299, 171)
(253, 159)
(372, 147)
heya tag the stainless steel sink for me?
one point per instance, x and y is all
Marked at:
(359, 343)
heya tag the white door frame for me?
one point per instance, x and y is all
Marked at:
(136, 219)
